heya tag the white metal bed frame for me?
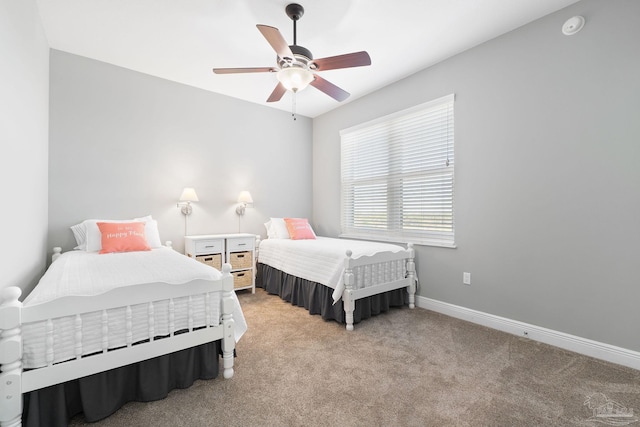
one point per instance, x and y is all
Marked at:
(14, 381)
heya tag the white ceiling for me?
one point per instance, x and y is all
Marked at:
(182, 40)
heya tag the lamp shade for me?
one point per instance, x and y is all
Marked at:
(295, 78)
(245, 197)
(189, 195)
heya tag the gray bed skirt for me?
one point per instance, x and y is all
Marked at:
(316, 298)
(100, 395)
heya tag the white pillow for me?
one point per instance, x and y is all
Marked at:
(152, 234)
(278, 229)
(270, 232)
(88, 237)
(80, 234)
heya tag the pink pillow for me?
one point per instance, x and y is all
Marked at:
(299, 228)
(122, 237)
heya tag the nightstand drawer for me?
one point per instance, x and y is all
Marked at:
(214, 261)
(240, 244)
(240, 260)
(242, 279)
(209, 246)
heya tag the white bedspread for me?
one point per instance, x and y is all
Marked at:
(89, 273)
(320, 260)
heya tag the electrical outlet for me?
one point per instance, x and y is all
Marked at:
(466, 278)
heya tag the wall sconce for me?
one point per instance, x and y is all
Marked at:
(188, 195)
(244, 198)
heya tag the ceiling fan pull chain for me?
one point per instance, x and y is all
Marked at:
(293, 106)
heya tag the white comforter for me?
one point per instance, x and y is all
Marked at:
(320, 260)
(87, 273)
(90, 273)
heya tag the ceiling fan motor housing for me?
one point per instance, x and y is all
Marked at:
(299, 50)
(302, 58)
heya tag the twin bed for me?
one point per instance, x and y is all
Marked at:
(103, 329)
(327, 275)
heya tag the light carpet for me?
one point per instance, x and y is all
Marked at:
(401, 368)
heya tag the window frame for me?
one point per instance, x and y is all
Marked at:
(365, 165)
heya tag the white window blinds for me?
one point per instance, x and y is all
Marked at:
(397, 176)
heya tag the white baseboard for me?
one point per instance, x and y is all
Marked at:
(585, 346)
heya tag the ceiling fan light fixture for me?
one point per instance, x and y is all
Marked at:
(295, 79)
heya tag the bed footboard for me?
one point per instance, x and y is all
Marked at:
(372, 275)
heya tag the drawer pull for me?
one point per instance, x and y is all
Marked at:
(242, 244)
(209, 258)
(209, 246)
(240, 256)
(240, 274)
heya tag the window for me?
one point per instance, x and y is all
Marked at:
(397, 176)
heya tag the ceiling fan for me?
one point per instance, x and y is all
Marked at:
(296, 68)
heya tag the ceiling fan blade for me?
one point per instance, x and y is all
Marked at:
(355, 59)
(277, 93)
(277, 42)
(244, 70)
(329, 88)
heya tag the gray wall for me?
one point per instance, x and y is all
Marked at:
(24, 111)
(124, 144)
(547, 191)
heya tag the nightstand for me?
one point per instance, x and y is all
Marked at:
(238, 249)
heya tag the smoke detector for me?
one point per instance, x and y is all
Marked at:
(573, 25)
